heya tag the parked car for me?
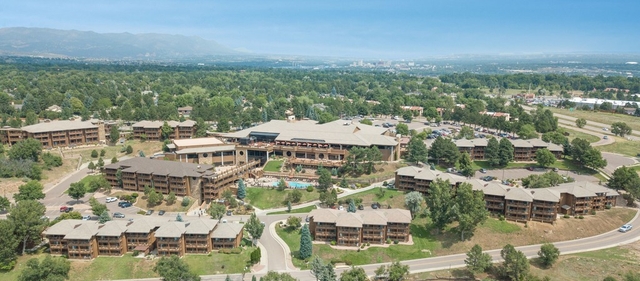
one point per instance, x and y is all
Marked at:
(306, 219)
(487, 178)
(229, 212)
(605, 137)
(148, 213)
(483, 170)
(341, 208)
(625, 228)
(224, 220)
(530, 168)
(161, 212)
(360, 207)
(111, 199)
(118, 215)
(63, 208)
(605, 129)
(86, 218)
(69, 209)
(375, 205)
(555, 170)
(124, 204)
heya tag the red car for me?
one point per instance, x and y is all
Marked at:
(63, 208)
(530, 168)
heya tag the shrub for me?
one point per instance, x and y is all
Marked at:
(395, 241)
(135, 253)
(333, 243)
(388, 241)
(581, 217)
(362, 246)
(141, 212)
(310, 188)
(341, 202)
(566, 216)
(368, 244)
(501, 217)
(185, 202)
(134, 195)
(231, 251)
(608, 206)
(526, 224)
(384, 183)
(391, 196)
(593, 212)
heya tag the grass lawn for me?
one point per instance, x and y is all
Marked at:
(575, 134)
(267, 198)
(208, 265)
(622, 146)
(295, 211)
(175, 207)
(499, 226)
(273, 166)
(292, 238)
(391, 197)
(600, 117)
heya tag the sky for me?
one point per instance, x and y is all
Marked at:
(359, 29)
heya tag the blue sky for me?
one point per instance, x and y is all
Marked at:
(353, 28)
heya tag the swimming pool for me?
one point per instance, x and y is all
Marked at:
(295, 184)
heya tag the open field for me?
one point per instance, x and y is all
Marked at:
(128, 267)
(622, 146)
(601, 117)
(268, 198)
(596, 265)
(148, 148)
(391, 197)
(295, 211)
(493, 234)
(575, 134)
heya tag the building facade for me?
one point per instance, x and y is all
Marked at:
(88, 239)
(353, 229)
(54, 134)
(518, 204)
(523, 150)
(152, 130)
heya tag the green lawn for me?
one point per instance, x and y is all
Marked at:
(600, 117)
(575, 134)
(208, 265)
(295, 211)
(391, 197)
(501, 226)
(267, 198)
(292, 238)
(622, 146)
(273, 166)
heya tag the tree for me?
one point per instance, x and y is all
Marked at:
(104, 217)
(51, 268)
(294, 222)
(174, 269)
(27, 217)
(294, 196)
(381, 272)
(306, 246)
(166, 131)
(242, 190)
(274, 276)
(254, 227)
(413, 201)
(548, 254)
(581, 122)
(129, 149)
(324, 181)
(329, 273)
(354, 274)
(92, 166)
(466, 132)
(620, 129)
(94, 153)
(289, 206)
(417, 151)
(97, 208)
(477, 261)
(282, 185)
(9, 242)
(100, 163)
(527, 131)
(440, 203)
(228, 278)
(492, 152)
(114, 160)
(544, 157)
(515, 265)
(329, 198)
(179, 218)
(4, 203)
(593, 159)
(464, 165)
(398, 271)
(154, 198)
(171, 198)
(366, 122)
(402, 129)
(77, 190)
(32, 190)
(29, 149)
(317, 267)
(256, 255)
(31, 118)
(216, 211)
(505, 152)
(444, 148)
(469, 208)
(352, 206)
(114, 134)
(625, 178)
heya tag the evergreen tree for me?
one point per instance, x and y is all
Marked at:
(114, 134)
(171, 198)
(306, 246)
(464, 165)
(92, 166)
(104, 217)
(114, 160)
(179, 218)
(417, 151)
(477, 261)
(255, 228)
(100, 163)
(317, 267)
(289, 206)
(440, 203)
(94, 153)
(492, 152)
(505, 152)
(352, 206)
(324, 181)
(515, 266)
(329, 273)
(242, 190)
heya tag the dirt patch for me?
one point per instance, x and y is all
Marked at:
(536, 232)
(9, 186)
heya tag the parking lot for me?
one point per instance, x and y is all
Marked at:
(508, 174)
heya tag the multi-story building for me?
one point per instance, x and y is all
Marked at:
(203, 182)
(310, 144)
(523, 150)
(210, 151)
(353, 229)
(152, 130)
(88, 239)
(518, 204)
(54, 133)
(185, 110)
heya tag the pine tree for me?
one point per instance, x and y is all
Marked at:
(329, 273)
(306, 247)
(289, 206)
(505, 152)
(104, 217)
(352, 206)
(179, 218)
(242, 190)
(476, 260)
(492, 152)
(92, 166)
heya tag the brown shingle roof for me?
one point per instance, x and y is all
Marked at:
(161, 167)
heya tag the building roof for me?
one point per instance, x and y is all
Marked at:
(162, 167)
(538, 142)
(518, 194)
(210, 141)
(200, 226)
(574, 189)
(396, 215)
(171, 229)
(545, 194)
(62, 227)
(83, 231)
(348, 219)
(113, 228)
(408, 171)
(324, 215)
(464, 143)
(495, 189)
(372, 218)
(227, 230)
(158, 124)
(185, 108)
(63, 125)
(336, 132)
(140, 226)
(357, 219)
(596, 188)
(207, 149)
(520, 143)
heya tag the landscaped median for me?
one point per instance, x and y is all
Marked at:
(493, 234)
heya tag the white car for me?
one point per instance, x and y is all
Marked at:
(86, 218)
(111, 199)
(605, 129)
(625, 228)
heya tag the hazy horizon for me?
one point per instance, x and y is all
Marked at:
(359, 29)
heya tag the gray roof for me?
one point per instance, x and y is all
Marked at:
(347, 219)
(63, 125)
(83, 231)
(495, 189)
(545, 194)
(140, 226)
(200, 226)
(408, 171)
(357, 219)
(207, 149)
(518, 194)
(113, 228)
(397, 215)
(372, 218)
(574, 189)
(538, 142)
(520, 143)
(324, 215)
(162, 167)
(158, 124)
(171, 230)
(464, 143)
(227, 230)
(63, 227)
(335, 132)
(596, 188)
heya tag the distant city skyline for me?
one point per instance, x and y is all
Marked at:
(357, 29)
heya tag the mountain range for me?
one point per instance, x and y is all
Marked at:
(89, 44)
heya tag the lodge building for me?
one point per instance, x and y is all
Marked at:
(54, 133)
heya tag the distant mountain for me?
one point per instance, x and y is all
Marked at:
(88, 44)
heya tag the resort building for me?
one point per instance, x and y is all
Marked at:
(80, 239)
(200, 181)
(353, 229)
(152, 130)
(53, 133)
(518, 204)
(211, 151)
(308, 143)
(523, 150)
